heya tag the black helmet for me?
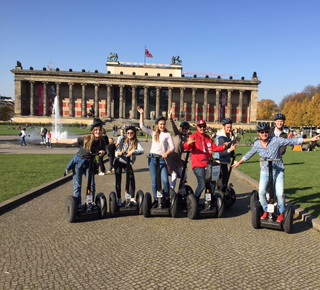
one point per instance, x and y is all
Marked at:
(185, 124)
(159, 118)
(226, 121)
(131, 127)
(96, 122)
(279, 117)
(263, 126)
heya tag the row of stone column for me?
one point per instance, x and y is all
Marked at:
(134, 111)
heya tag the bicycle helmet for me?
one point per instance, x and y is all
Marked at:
(96, 122)
(131, 127)
(226, 121)
(185, 124)
(158, 119)
(263, 126)
(279, 117)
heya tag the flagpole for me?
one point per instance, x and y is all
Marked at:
(145, 55)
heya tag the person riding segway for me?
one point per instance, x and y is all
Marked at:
(84, 163)
(201, 147)
(223, 136)
(126, 153)
(268, 147)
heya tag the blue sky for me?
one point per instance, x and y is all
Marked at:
(279, 39)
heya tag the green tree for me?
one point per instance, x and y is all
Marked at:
(5, 113)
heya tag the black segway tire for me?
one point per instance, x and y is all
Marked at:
(219, 204)
(101, 202)
(256, 213)
(113, 204)
(146, 205)
(173, 203)
(254, 197)
(72, 208)
(192, 206)
(229, 197)
(139, 199)
(288, 219)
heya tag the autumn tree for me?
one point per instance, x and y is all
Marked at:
(266, 109)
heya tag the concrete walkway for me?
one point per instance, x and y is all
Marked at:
(39, 249)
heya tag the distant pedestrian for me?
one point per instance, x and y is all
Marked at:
(23, 135)
(48, 139)
(111, 148)
(43, 132)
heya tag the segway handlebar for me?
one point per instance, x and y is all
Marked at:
(269, 159)
(215, 160)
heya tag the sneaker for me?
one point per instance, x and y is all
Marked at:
(280, 218)
(101, 173)
(112, 169)
(65, 172)
(133, 201)
(108, 171)
(167, 203)
(264, 216)
(119, 202)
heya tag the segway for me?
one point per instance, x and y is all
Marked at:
(179, 198)
(227, 191)
(213, 205)
(157, 208)
(90, 208)
(272, 209)
(126, 207)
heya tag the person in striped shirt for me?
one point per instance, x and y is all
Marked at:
(269, 147)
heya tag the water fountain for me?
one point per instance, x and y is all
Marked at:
(56, 122)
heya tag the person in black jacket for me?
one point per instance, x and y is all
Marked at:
(278, 130)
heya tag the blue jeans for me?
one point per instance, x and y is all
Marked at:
(278, 178)
(199, 172)
(164, 176)
(78, 171)
(23, 141)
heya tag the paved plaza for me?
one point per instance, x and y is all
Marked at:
(39, 249)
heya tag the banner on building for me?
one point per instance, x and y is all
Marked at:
(223, 103)
(40, 99)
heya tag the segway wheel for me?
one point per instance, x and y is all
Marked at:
(256, 213)
(139, 198)
(229, 197)
(113, 204)
(219, 205)
(72, 208)
(192, 206)
(101, 202)
(146, 205)
(254, 197)
(288, 219)
(174, 204)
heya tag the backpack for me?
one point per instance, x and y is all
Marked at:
(20, 134)
(44, 132)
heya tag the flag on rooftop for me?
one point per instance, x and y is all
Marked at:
(147, 53)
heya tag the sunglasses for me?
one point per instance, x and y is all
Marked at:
(130, 133)
(185, 128)
(202, 126)
(264, 132)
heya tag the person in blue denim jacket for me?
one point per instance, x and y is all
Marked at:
(79, 164)
(270, 147)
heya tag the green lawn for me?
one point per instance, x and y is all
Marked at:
(301, 177)
(20, 173)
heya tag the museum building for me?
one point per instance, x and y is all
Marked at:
(117, 93)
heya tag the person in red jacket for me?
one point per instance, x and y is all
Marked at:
(201, 147)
